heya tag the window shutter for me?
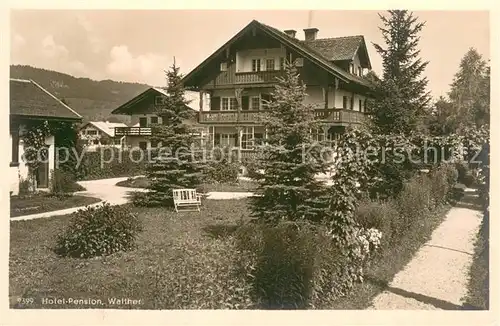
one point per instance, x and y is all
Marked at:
(344, 102)
(215, 103)
(244, 103)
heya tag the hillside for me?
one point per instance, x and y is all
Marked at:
(94, 100)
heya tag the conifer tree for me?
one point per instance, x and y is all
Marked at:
(402, 99)
(176, 163)
(289, 159)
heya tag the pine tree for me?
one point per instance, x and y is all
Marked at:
(287, 188)
(402, 99)
(176, 164)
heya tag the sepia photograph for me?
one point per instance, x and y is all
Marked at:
(249, 160)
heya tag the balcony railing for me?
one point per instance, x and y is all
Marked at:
(341, 116)
(257, 77)
(132, 131)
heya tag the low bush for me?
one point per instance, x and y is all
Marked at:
(25, 187)
(64, 183)
(111, 163)
(98, 231)
(223, 171)
(381, 215)
(290, 266)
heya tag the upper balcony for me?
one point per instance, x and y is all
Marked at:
(335, 116)
(257, 77)
(132, 131)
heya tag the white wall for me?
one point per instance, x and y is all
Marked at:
(16, 174)
(244, 58)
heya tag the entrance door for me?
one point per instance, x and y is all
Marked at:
(42, 171)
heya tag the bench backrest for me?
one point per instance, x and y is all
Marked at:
(184, 195)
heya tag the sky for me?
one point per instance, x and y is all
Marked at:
(137, 46)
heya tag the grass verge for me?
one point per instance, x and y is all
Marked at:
(478, 287)
(42, 203)
(240, 186)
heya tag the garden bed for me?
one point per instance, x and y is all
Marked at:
(240, 186)
(42, 203)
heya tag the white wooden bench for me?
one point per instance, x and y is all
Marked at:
(186, 200)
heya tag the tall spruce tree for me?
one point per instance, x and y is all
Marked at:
(402, 99)
(288, 162)
(176, 164)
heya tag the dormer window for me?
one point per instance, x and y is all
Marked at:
(351, 68)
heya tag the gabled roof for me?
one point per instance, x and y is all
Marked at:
(105, 126)
(126, 107)
(299, 46)
(340, 48)
(29, 99)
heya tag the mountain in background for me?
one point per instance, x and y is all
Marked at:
(92, 99)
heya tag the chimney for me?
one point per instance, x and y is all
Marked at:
(310, 33)
(291, 32)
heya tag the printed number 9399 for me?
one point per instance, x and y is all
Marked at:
(26, 300)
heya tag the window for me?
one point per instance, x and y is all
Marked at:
(360, 71)
(154, 143)
(143, 122)
(360, 106)
(317, 135)
(269, 64)
(299, 62)
(159, 100)
(351, 68)
(229, 103)
(247, 138)
(282, 63)
(227, 139)
(345, 102)
(154, 120)
(143, 145)
(255, 103)
(223, 66)
(255, 64)
(117, 141)
(91, 132)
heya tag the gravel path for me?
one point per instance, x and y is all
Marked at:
(436, 278)
(107, 190)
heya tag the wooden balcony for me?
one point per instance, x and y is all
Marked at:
(336, 116)
(132, 131)
(257, 77)
(341, 116)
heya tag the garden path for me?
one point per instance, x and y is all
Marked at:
(437, 276)
(107, 190)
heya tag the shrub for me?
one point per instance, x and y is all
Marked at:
(296, 267)
(98, 231)
(223, 171)
(115, 163)
(380, 215)
(25, 187)
(64, 183)
(415, 201)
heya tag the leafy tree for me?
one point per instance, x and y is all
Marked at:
(174, 165)
(401, 96)
(469, 92)
(287, 187)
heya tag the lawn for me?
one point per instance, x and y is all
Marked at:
(183, 243)
(41, 203)
(478, 287)
(240, 186)
(168, 238)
